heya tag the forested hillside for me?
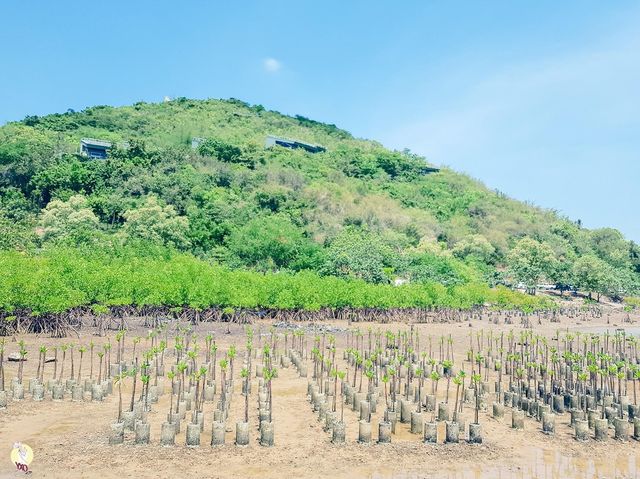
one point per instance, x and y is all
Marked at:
(356, 211)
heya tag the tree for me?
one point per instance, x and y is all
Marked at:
(475, 246)
(63, 177)
(610, 246)
(223, 151)
(71, 222)
(157, 224)
(272, 242)
(530, 261)
(356, 162)
(622, 282)
(23, 152)
(592, 274)
(562, 274)
(404, 164)
(357, 253)
(634, 255)
(435, 268)
(213, 216)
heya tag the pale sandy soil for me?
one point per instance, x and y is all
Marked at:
(70, 439)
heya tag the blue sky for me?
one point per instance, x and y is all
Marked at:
(538, 99)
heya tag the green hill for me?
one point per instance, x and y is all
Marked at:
(355, 210)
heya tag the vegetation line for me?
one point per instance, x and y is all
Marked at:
(60, 279)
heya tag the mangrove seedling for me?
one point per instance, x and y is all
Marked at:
(23, 355)
(341, 375)
(385, 380)
(419, 374)
(41, 360)
(181, 368)
(118, 381)
(64, 348)
(100, 356)
(171, 375)
(81, 350)
(133, 372)
(476, 378)
(244, 374)
(457, 380)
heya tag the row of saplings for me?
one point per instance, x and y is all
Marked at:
(193, 383)
(55, 382)
(393, 380)
(588, 375)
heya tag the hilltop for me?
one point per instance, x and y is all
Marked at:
(356, 210)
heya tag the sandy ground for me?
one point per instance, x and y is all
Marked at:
(71, 439)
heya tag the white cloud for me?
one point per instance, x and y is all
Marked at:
(271, 65)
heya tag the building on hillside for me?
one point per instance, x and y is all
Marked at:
(272, 141)
(94, 148)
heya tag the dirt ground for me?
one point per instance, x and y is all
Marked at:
(71, 439)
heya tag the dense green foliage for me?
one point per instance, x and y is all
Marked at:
(63, 278)
(356, 211)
